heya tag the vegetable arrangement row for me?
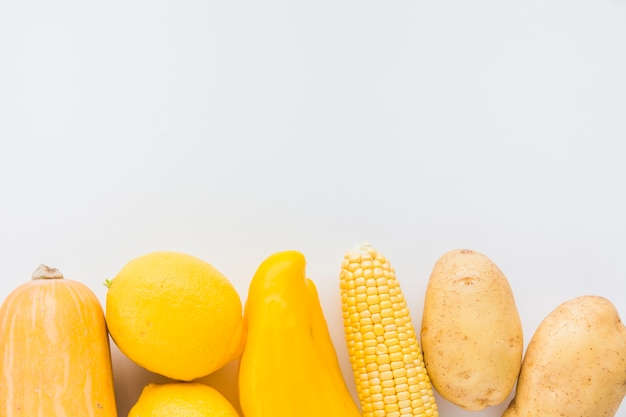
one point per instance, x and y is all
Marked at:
(55, 354)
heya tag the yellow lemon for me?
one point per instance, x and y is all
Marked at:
(181, 399)
(175, 315)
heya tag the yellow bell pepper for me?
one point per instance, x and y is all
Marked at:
(289, 366)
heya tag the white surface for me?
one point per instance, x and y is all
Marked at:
(231, 130)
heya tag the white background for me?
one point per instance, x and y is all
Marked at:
(231, 130)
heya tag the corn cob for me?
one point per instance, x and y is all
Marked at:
(386, 358)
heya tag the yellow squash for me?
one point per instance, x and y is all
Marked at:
(54, 351)
(289, 365)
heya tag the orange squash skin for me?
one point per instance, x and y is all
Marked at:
(54, 352)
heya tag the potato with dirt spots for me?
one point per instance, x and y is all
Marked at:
(575, 363)
(471, 332)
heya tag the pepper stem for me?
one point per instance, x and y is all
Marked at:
(45, 272)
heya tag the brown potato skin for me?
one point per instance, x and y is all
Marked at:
(575, 363)
(471, 332)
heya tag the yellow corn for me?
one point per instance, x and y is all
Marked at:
(386, 358)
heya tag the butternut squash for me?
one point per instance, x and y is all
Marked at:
(54, 350)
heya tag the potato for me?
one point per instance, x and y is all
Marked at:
(575, 363)
(471, 332)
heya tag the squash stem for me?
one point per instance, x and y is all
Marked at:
(45, 272)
